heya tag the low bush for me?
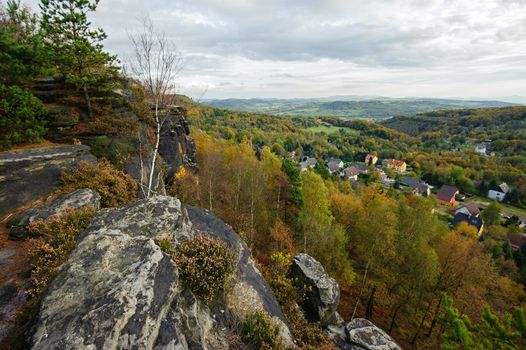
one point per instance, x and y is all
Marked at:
(58, 238)
(259, 332)
(204, 265)
(115, 187)
(22, 117)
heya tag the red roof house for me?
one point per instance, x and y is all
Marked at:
(447, 194)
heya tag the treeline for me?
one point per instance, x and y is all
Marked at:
(392, 256)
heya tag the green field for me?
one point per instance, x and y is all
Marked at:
(327, 129)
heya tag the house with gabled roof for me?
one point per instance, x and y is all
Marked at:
(474, 221)
(446, 195)
(352, 173)
(516, 241)
(395, 164)
(422, 189)
(308, 163)
(470, 208)
(371, 159)
(499, 192)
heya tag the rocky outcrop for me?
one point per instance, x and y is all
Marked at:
(363, 334)
(19, 225)
(140, 162)
(322, 295)
(27, 175)
(118, 290)
(121, 133)
(176, 146)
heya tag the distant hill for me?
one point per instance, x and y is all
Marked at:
(486, 121)
(350, 107)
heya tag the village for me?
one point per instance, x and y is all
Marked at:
(452, 204)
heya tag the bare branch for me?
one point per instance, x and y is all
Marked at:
(156, 65)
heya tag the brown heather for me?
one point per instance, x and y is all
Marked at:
(115, 187)
(204, 265)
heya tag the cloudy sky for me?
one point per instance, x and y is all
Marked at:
(309, 48)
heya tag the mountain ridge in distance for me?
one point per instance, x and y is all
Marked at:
(374, 107)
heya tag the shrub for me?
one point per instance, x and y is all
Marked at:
(115, 187)
(204, 265)
(21, 117)
(59, 236)
(259, 332)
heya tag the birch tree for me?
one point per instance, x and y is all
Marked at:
(156, 64)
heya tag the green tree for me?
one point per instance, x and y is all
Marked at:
(293, 172)
(77, 49)
(22, 54)
(490, 333)
(491, 214)
(21, 117)
(315, 217)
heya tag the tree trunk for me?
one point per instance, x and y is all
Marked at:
(435, 318)
(422, 321)
(88, 102)
(210, 193)
(364, 279)
(155, 150)
(370, 305)
(393, 318)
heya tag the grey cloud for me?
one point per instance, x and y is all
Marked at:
(378, 42)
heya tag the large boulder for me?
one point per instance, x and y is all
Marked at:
(118, 290)
(29, 174)
(81, 198)
(322, 293)
(363, 334)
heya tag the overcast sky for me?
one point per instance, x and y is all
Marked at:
(308, 48)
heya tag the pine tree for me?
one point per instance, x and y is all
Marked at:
(76, 47)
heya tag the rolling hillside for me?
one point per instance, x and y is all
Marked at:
(349, 107)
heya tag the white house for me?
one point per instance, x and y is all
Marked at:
(481, 149)
(308, 163)
(334, 165)
(499, 192)
(352, 173)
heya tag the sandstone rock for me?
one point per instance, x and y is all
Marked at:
(77, 199)
(363, 333)
(249, 281)
(27, 175)
(118, 290)
(176, 146)
(139, 165)
(322, 293)
(113, 293)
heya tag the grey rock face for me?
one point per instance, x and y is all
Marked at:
(176, 146)
(321, 302)
(29, 174)
(139, 165)
(322, 292)
(118, 290)
(77, 199)
(366, 335)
